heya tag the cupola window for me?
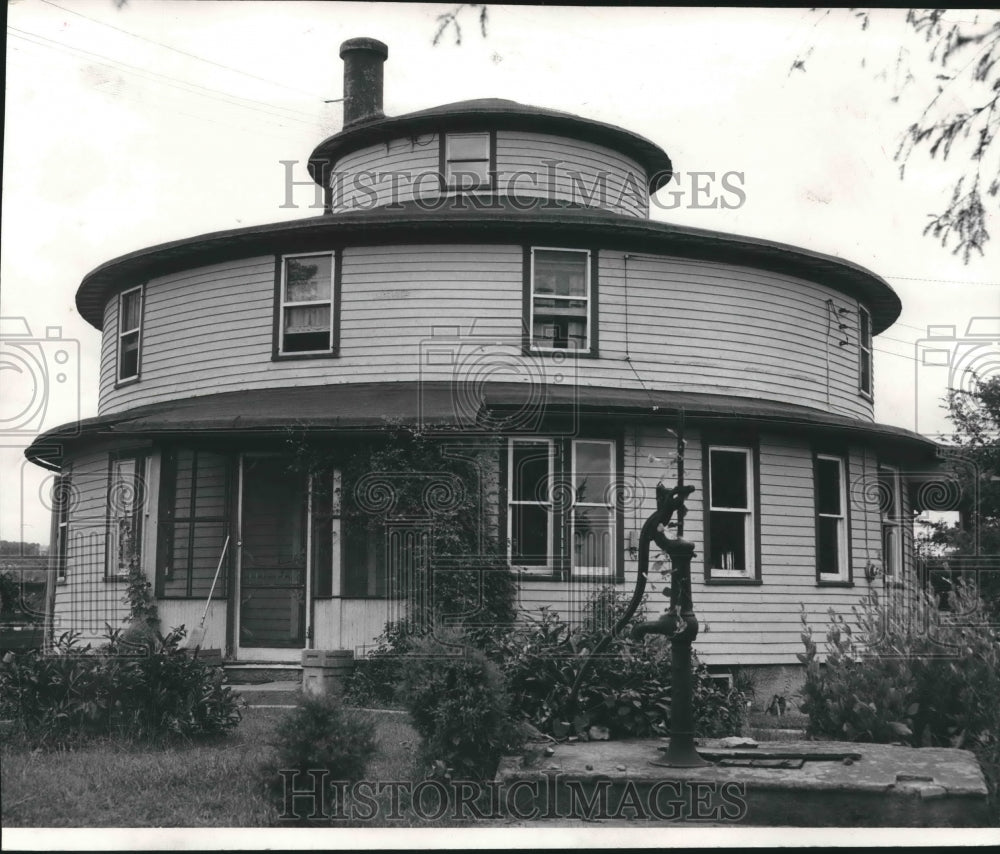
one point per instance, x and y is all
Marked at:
(129, 334)
(467, 159)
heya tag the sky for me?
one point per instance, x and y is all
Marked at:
(128, 127)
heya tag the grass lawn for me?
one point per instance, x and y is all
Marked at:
(220, 784)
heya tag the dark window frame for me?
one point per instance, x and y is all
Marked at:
(277, 330)
(845, 577)
(593, 306)
(444, 161)
(737, 441)
(137, 331)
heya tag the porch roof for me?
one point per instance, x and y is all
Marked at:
(450, 407)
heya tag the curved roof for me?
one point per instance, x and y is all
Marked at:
(494, 220)
(370, 407)
(488, 114)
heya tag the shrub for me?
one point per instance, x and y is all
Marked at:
(626, 690)
(480, 602)
(459, 705)
(376, 678)
(78, 692)
(322, 734)
(908, 672)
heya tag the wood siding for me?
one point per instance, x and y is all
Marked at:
(689, 326)
(529, 166)
(742, 624)
(551, 167)
(85, 602)
(365, 178)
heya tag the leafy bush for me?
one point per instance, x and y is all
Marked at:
(323, 734)
(459, 705)
(908, 672)
(78, 692)
(480, 602)
(377, 677)
(626, 690)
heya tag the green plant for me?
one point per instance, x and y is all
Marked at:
(376, 677)
(322, 734)
(626, 690)
(901, 670)
(459, 705)
(77, 692)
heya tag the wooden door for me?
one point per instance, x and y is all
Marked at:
(272, 591)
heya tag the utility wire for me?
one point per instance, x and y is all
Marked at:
(177, 83)
(182, 52)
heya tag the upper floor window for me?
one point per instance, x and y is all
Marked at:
(892, 540)
(730, 530)
(864, 351)
(129, 334)
(832, 561)
(467, 161)
(307, 306)
(559, 306)
(126, 500)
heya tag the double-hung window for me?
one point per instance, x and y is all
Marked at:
(832, 555)
(731, 536)
(593, 519)
(530, 522)
(560, 300)
(562, 516)
(892, 541)
(126, 502)
(467, 161)
(307, 306)
(864, 351)
(129, 334)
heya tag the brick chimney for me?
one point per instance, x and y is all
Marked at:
(363, 60)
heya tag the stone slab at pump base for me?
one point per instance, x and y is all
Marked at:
(888, 786)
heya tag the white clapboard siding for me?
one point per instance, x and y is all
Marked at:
(175, 613)
(692, 326)
(759, 624)
(529, 165)
(85, 602)
(552, 167)
(224, 342)
(364, 178)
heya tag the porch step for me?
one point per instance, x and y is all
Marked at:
(261, 672)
